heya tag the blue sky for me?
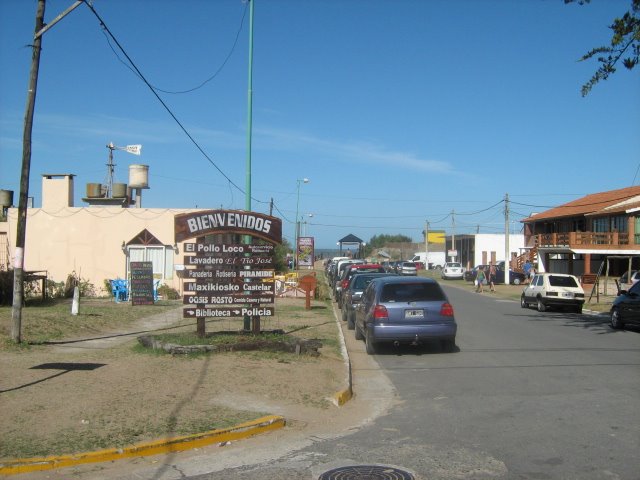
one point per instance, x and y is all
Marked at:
(398, 111)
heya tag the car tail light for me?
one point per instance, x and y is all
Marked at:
(345, 284)
(380, 312)
(446, 310)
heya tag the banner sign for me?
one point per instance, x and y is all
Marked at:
(209, 222)
(305, 252)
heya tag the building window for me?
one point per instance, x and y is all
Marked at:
(160, 256)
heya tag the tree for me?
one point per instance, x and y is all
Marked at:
(379, 241)
(625, 46)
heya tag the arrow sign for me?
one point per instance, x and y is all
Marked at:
(228, 312)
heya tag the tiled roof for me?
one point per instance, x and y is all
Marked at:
(601, 203)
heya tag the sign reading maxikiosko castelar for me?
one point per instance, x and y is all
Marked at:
(228, 279)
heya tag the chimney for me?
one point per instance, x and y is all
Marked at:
(57, 191)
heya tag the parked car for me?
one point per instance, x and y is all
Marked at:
(515, 278)
(625, 309)
(624, 283)
(452, 270)
(407, 268)
(548, 290)
(350, 271)
(352, 295)
(404, 310)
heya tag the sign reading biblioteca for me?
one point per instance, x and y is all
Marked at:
(228, 280)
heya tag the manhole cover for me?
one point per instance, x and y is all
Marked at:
(366, 472)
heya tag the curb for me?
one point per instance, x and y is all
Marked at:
(343, 396)
(167, 445)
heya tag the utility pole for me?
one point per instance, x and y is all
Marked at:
(21, 225)
(453, 232)
(426, 244)
(507, 256)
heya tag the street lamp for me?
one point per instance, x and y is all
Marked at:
(297, 225)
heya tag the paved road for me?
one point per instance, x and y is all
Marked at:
(528, 395)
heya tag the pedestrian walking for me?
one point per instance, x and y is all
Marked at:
(492, 277)
(480, 278)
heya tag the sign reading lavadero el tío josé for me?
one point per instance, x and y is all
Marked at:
(228, 279)
(141, 283)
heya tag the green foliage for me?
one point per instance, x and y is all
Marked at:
(280, 257)
(382, 240)
(624, 46)
(168, 293)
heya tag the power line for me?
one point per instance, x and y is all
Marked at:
(166, 107)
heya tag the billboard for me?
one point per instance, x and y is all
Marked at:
(305, 252)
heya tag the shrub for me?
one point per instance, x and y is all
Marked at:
(167, 292)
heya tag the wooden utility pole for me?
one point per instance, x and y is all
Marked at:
(21, 227)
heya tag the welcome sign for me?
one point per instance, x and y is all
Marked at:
(208, 222)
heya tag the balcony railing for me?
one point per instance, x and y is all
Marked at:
(597, 240)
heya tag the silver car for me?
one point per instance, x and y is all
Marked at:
(407, 268)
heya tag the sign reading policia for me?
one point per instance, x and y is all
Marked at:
(233, 279)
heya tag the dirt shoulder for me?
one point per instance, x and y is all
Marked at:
(87, 395)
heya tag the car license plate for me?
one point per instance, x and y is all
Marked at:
(413, 314)
(567, 294)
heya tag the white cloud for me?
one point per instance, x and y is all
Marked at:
(362, 152)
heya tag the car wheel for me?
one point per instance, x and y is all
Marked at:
(516, 281)
(616, 319)
(350, 323)
(358, 332)
(523, 303)
(449, 345)
(344, 314)
(370, 346)
(541, 306)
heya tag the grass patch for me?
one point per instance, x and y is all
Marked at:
(48, 320)
(100, 434)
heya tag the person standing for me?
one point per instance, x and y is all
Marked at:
(480, 278)
(527, 269)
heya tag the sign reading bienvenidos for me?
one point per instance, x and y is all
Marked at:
(226, 280)
(208, 222)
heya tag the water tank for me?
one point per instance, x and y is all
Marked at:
(94, 190)
(119, 190)
(6, 198)
(139, 176)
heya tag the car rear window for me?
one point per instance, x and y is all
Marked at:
(361, 282)
(408, 264)
(454, 265)
(411, 292)
(562, 281)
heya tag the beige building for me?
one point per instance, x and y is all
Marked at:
(97, 242)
